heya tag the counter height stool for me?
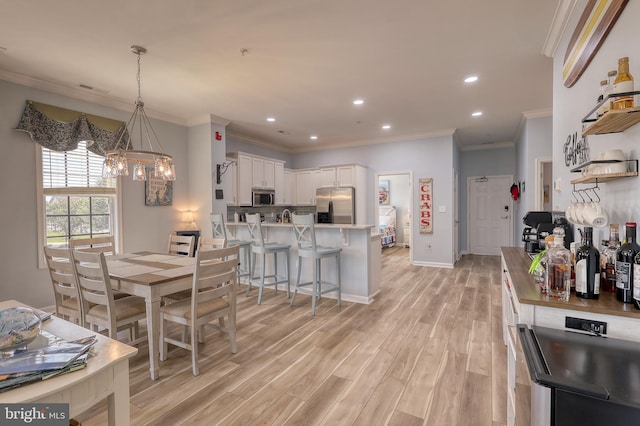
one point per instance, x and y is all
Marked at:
(220, 231)
(305, 232)
(262, 248)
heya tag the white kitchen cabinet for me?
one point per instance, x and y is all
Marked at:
(306, 185)
(279, 185)
(229, 183)
(244, 180)
(288, 195)
(263, 173)
(337, 176)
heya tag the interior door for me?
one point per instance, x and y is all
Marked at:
(490, 224)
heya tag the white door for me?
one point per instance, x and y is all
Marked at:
(490, 224)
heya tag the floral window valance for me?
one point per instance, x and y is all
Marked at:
(61, 129)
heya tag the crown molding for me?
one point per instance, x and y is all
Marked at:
(85, 95)
(558, 26)
(485, 146)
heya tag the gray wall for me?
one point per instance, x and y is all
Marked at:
(144, 228)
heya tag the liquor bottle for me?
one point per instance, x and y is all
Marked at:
(608, 260)
(558, 267)
(636, 281)
(611, 78)
(588, 268)
(603, 89)
(623, 83)
(624, 262)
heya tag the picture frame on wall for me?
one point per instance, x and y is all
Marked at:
(384, 194)
(157, 192)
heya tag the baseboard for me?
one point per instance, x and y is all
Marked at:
(434, 264)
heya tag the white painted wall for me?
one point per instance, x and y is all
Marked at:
(145, 228)
(621, 198)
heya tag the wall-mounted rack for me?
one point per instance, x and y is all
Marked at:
(613, 121)
(632, 171)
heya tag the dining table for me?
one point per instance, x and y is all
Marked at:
(151, 275)
(105, 378)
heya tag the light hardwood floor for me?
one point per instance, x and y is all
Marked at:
(427, 351)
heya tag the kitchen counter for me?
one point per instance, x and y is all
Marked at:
(528, 291)
(360, 260)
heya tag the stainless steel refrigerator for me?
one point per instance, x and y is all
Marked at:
(335, 205)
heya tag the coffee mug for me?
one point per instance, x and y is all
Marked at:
(594, 215)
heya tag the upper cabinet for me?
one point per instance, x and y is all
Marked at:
(306, 185)
(263, 173)
(254, 172)
(337, 176)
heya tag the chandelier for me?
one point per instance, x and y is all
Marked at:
(116, 162)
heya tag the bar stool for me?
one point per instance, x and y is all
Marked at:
(303, 227)
(220, 231)
(262, 248)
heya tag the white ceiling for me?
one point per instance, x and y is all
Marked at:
(306, 61)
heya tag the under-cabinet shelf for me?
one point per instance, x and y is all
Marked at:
(632, 166)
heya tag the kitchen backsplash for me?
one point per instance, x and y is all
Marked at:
(271, 213)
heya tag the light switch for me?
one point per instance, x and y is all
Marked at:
(442, 209)
(556, 184)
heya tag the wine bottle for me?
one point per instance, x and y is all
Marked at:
(609, 257)
(588, 268)
(636, 281)
(624, 262)
(623, 83)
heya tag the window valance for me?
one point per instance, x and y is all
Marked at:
(61, 129)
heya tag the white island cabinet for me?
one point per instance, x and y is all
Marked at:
(359, 260)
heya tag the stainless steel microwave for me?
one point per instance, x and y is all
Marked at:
(263, 197)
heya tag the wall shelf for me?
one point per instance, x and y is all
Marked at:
(632, 166)
(614, 121)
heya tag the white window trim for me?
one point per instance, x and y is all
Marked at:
(41, 225)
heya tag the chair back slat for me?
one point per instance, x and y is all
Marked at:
(182, 245)
(206, 243)
(215, 275)
(104, 244)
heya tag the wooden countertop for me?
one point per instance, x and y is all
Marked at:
(528, 292)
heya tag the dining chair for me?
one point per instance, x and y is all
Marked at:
(220, 230)
(304, 229)
(182, 245)
(207, 243)
(105, 244)
(213, 296)
(99, 307)
(63, 280)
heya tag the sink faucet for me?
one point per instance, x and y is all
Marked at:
(286, 216)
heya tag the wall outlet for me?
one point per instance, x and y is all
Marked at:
(591, 326)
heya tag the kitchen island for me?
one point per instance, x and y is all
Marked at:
(360, 258)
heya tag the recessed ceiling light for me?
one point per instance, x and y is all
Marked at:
(386, 126)
(471, 79)
(358, 102)
(313, 137)
(271, 119)
(477, 114)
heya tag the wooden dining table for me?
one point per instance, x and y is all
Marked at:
(151, 275)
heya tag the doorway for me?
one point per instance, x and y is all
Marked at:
(543, 184)
(395, 199)
(490, 221)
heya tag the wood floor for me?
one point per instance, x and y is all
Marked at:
(427, 351)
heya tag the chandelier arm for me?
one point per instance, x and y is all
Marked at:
(150, 131)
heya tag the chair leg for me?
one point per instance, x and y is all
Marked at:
(338, 280)
(252, 271)
(286, 263)
(314, 287)
(295, 292)
(275, 269)
(232, 333)
(195, 368)
(264, 262)
(163, 344)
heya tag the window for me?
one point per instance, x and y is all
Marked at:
(76, 201)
